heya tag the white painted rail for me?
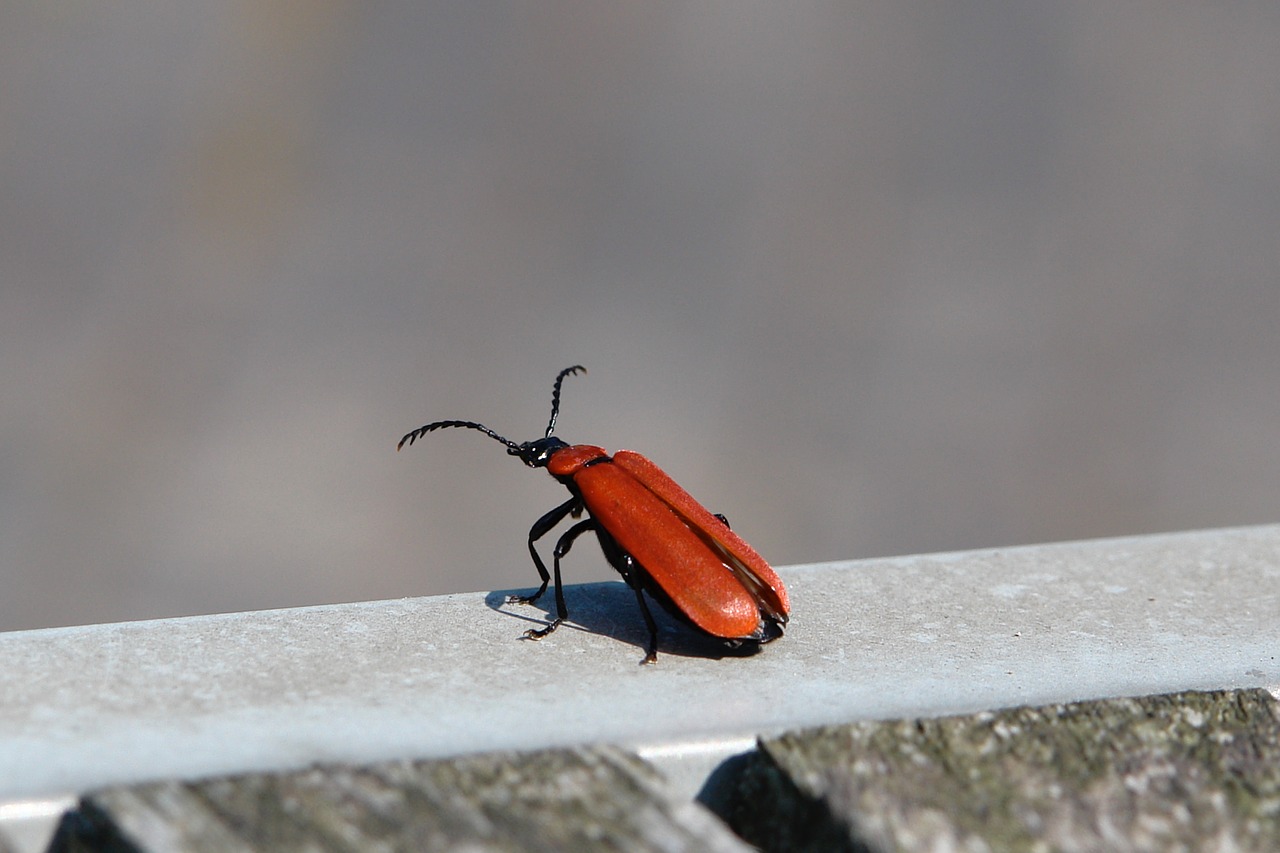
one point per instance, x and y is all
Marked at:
(909, 636)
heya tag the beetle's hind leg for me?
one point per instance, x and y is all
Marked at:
(540, 528)
(651, 653)
(631, 572)
(562, 547)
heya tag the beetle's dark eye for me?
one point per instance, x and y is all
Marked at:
(537, 453)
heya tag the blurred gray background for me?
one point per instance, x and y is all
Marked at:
(869, 278)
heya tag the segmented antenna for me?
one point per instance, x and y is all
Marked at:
(423, 430)
(514, 448)
(555, 396)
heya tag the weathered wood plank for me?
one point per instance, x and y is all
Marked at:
(581, 799)
(1188, 771)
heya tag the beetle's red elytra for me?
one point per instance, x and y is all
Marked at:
(661, 540)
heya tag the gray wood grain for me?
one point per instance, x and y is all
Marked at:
(581, 799)
(1189, 771)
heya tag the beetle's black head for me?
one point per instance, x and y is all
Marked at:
(536, 454)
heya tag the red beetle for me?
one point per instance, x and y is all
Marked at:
(653, 532)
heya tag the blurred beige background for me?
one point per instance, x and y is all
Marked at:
(869, 278)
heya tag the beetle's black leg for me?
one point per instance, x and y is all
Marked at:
(539, 529)
(723, 520)
(562, 547)
(631, 572)
(651, 653)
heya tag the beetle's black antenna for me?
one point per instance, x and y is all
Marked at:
(555, 396)
(516, 449)
(423, 430)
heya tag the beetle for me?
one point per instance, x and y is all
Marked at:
(661, 540)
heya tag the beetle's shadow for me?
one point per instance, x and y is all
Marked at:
(609, 609)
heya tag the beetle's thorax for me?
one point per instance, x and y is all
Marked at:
(569, 460)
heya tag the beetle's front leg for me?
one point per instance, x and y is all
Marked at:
(562, 547)
(539, 529)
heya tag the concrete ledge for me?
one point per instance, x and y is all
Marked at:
(87, 707)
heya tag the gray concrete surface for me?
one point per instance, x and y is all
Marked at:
(923, 635)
